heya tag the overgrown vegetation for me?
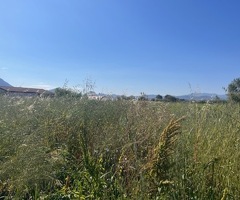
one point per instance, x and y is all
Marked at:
(72, 148)
(234, 90)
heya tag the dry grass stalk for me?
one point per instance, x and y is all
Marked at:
(160, 163)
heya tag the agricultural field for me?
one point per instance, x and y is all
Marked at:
(71, 148)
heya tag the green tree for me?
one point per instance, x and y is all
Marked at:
(170, 98)
(159, 97)
(143, 97)
(131, 97)
(234, 90)
(65, 92)
(122, 97)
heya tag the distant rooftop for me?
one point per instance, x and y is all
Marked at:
(22, 90)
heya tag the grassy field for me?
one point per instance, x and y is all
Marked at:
(67, 148)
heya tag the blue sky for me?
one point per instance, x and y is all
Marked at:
(124, 46)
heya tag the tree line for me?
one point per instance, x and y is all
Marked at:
(233, 93)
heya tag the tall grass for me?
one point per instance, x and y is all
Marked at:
(66, 148)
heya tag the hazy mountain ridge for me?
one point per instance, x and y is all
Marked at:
(195, 96)
(203, 96)
(4, 83)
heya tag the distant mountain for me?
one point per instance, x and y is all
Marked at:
(195, 96)
(4, 83)
(151, 96)
(202, 96)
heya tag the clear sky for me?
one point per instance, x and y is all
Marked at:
(124, 46)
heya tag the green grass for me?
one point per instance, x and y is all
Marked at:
(67, 148)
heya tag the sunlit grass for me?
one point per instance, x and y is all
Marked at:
(67, 148)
